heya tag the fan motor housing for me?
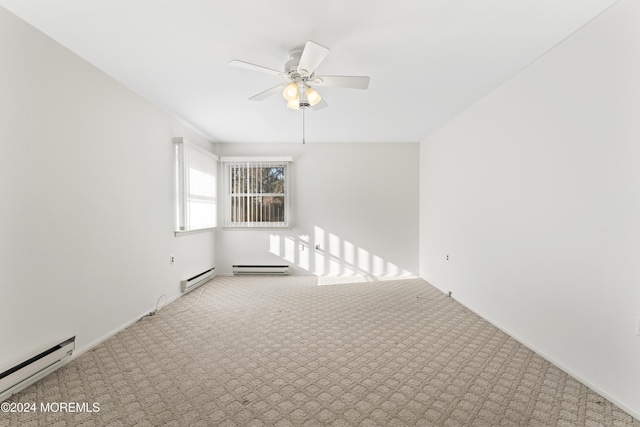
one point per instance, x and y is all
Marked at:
(291, 67)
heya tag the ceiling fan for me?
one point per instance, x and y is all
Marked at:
(299, 72)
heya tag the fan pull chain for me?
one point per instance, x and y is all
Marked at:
(303, 140)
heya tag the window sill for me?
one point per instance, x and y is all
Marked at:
(232, 228)
(179, 233)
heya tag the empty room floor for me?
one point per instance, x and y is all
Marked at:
(286, 351)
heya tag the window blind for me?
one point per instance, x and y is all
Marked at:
(196, 186)
(257, 192)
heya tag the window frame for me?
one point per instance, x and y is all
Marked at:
(255, 162)
(184, 197)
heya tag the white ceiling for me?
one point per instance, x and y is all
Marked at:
(428, 59)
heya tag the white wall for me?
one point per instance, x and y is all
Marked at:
(534, 194)
(358, 201)
(87, 189)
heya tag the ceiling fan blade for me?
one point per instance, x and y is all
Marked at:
(353, 82)
(267, 93)
(254, 67)
(312, 56)
(320, 105)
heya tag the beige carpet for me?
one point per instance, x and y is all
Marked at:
(260, 351)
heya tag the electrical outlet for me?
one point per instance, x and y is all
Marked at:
(447, 257)
(172, 259)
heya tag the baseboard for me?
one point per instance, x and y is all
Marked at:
(621, 404)
(291, 273)
(294, 272)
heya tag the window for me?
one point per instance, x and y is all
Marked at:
(257, 192)
(196, 171)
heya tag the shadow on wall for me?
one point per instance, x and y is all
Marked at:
(325, 254)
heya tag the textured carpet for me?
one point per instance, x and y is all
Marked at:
(266, 351)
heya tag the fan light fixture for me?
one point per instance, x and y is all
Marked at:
(293, 104)
(290, 92)
(312, 96)
(305, 96)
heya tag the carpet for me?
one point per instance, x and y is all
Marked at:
(285, 351)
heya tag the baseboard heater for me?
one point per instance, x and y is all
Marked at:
(25, 373)
(239, 270)
(197, 280)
